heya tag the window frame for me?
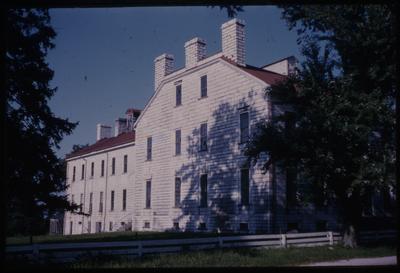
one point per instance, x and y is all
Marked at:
(73, 173)
(102, 167)
(113, 162)
(83, 172)
(92, 170)
(177, 201)
(244, 191)
(203, 138)
(148, 194)
(124, 196)
(112, 200)
(125, 168)
(178, 143)
(203, 191)
(178, 95)
(241, 137)
(149, 148)
(203, 94)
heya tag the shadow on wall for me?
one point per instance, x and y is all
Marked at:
(222, 162)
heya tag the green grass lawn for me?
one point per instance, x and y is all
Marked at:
(109, 236)
(239, 257)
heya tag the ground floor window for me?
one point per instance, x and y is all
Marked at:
(70, 227)
(146, 224)
(98, 227)
(89, 228)
(111, 226)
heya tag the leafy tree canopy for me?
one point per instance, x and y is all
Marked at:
(338, 128)
(36, 177)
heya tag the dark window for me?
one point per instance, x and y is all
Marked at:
(320, 225)
(90, 202)
(98, 227)
(149, 144)
(81, 203)
(92, 170)
(146, 224)
(125, 163)
(291, 189)
(89, 227)
(178, 90)
(244, 186)
(244, 127)
(243, 226)
(113, 166)
(111, 226)
(124, 200)
(177, 192)
(203, 86)
(83, 172)
(112, 201)
(203, 137)
(73, 174)
(102, 168)
(177, 142)
(101, 202)
(203, 190)
(293, 227)
(148, 194)
(202, 226)
(176, 225)
(70, 227)
(72, 198)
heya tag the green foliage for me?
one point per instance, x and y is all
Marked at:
(339, 127)
(36, 178)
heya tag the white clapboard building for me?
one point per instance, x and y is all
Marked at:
(180, 166)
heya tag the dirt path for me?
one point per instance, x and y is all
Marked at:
(389, 260)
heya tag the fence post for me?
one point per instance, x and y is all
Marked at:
(330, 237)
(283, 240)
(140, 251)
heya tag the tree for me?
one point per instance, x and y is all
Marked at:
(36, 177)
(342, 106)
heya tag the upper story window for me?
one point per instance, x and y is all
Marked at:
(177, 142)
(149, 144)
(81, 203)
(203, 137)
(73, 173)
(178, 94)
(83, 172)
(125, 163)
(203, 86)
(92, 170)
(113, 166)
(102, 168)
(148, 194)
(244, 186)
(244, 127)
(203, 190)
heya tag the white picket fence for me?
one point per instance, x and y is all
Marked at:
(64, 252)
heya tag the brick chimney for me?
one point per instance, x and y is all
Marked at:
(163, 65)
(103, 131)
(195, 51)
(233, 41)
(121, 126)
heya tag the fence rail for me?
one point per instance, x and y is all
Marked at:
(63, 252)
(377, 236)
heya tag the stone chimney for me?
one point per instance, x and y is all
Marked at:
(120, 126)
(164, 65)
(195, 51)
(103, 131)
(233, 41)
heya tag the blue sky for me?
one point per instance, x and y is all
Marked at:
(103, 59)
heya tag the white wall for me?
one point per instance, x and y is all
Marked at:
(228, 90)
(109, 182)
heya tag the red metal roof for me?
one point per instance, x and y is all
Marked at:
(105, 143)
(264, 75)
